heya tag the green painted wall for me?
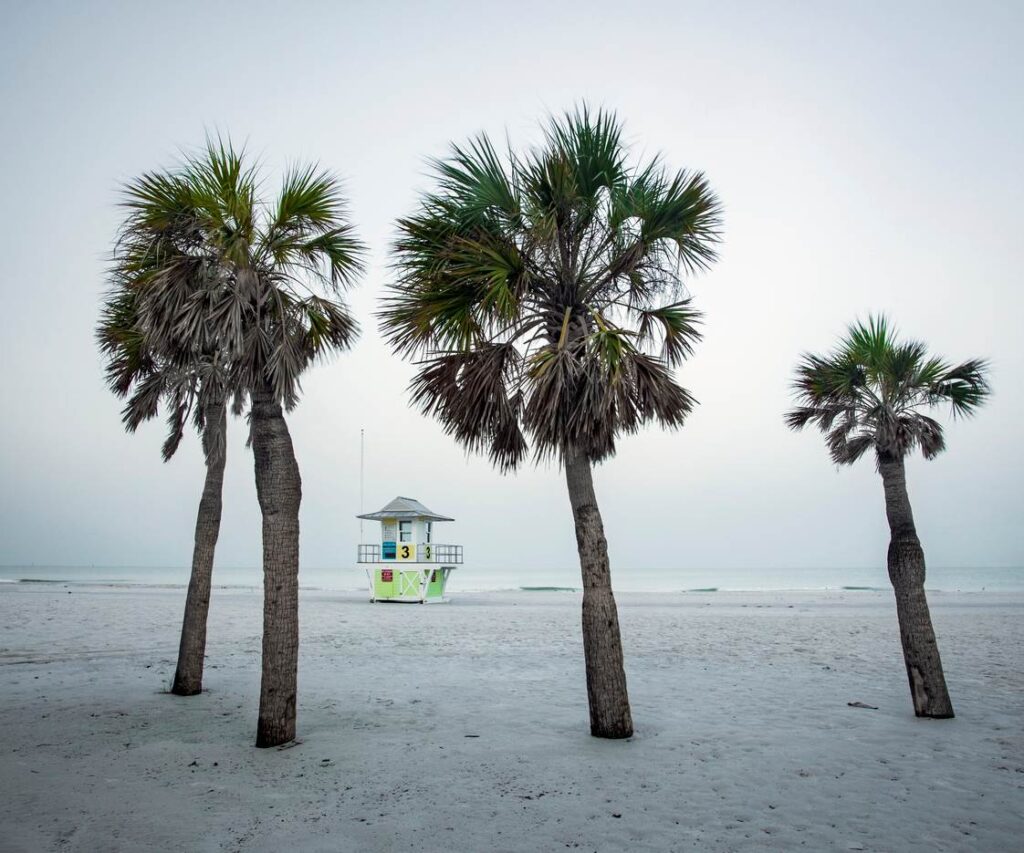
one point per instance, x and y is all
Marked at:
(382, 588)
(405, 583)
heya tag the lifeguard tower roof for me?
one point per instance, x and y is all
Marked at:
(405, 508)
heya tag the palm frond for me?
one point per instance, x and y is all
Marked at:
(546, 252)
(214, 293)
(965, 387)
(478, 183)
(676, 325)
(474, 394)
(871, 390)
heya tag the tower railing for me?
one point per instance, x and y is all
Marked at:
(448, 554)
(426, 552)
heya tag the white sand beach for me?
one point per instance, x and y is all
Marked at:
(464, 727)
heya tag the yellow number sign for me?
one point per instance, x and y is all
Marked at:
(406, 552)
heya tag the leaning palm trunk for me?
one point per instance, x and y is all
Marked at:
(188, 677)
(871, 393)
(602, 645)
(279, 489)
(907, 572)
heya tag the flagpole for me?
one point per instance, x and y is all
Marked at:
(361, 468)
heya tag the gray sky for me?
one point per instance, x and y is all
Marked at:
(868, 156)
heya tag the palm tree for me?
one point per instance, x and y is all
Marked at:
(543, 294)
(255, 286)
(871, 394)
(185, 385)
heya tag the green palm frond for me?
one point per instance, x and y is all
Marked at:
(965, 386)
(675, 325)
(872, 392)
(309, 199)
(475, 177)
(591, 147)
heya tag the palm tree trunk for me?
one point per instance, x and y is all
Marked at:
(279, 489)
(907, 572)
(602, 646)
(188, 677)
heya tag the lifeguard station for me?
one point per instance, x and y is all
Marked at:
(408, 565)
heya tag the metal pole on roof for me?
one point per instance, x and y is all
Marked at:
(361, 461)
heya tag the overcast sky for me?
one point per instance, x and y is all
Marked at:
(867, 155)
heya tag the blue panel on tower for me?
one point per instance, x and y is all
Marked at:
(388, 551)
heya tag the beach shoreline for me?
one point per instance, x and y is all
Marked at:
(471, 579)
(464, 726)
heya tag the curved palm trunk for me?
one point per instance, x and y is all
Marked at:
(602, 645)
(188, 676)
(279, 489)
(907, 571)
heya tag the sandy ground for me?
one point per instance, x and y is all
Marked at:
(463, 726)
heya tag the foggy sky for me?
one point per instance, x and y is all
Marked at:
(867, 155)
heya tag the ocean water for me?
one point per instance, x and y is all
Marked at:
(1008, 579)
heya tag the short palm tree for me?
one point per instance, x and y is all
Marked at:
(543, 295)
(256, 287)
(871, 394)
(187, 385)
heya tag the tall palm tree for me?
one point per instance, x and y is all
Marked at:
(184, 384)
(543, 294)
(256, 286)
(871, 393)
